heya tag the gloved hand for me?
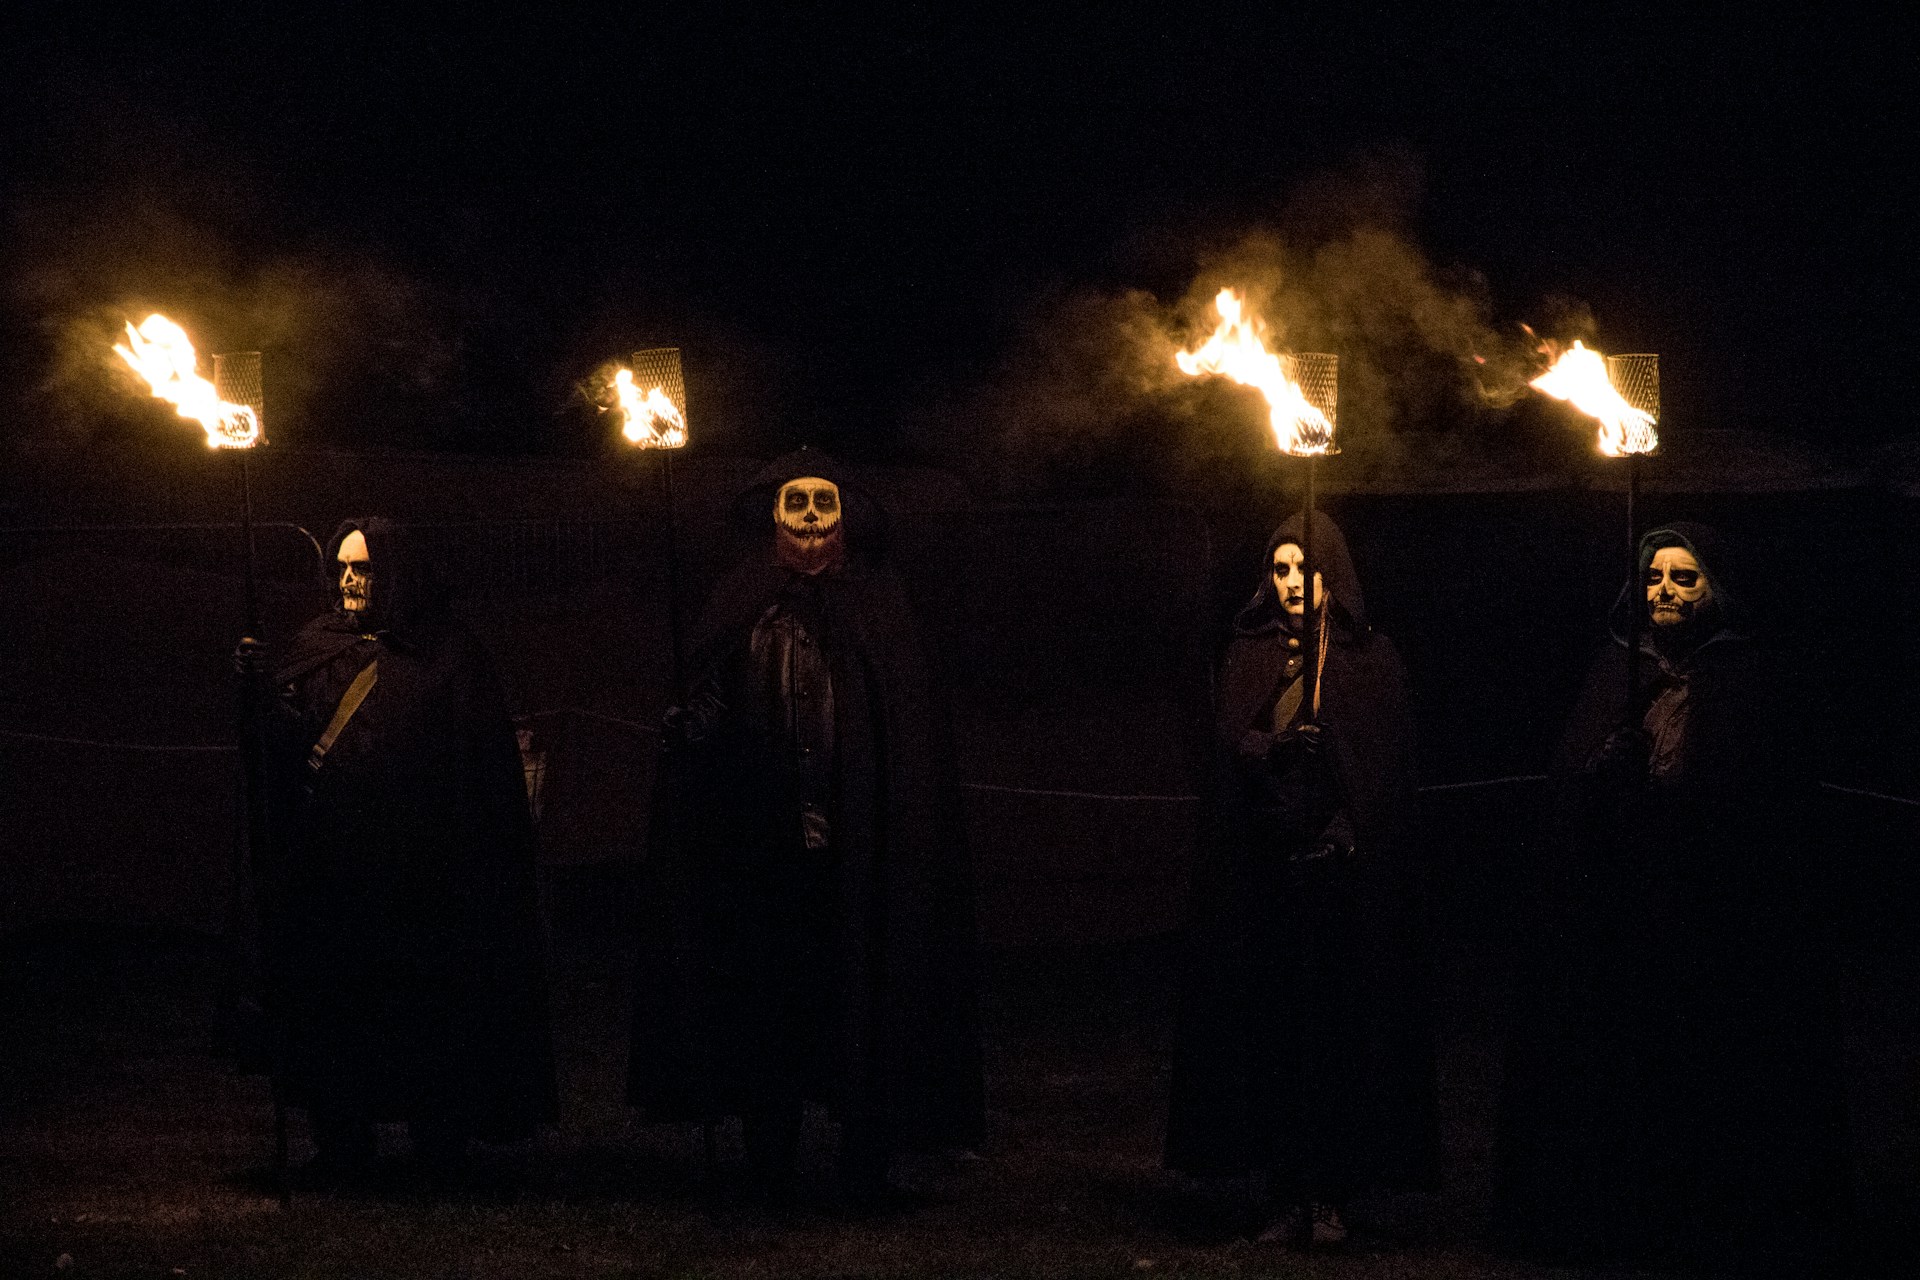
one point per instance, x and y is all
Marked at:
(250, 656)
(1256, 745)
(1296, 747)
(1333, 850)
(1623, 758)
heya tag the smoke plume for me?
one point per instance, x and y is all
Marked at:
(1089, 394)
(143, 211)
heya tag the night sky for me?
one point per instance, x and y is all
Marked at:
(438, 225)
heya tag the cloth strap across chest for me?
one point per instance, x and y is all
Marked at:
(349, 703)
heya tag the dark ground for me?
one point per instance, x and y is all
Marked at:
(128, 1150)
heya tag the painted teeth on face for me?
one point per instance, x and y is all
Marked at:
(356, 574)
(807, 507)
(1676, 586)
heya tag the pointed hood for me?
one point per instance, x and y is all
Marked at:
(1331, 561)
(866, 520)
(1719, 559)
(407, 596)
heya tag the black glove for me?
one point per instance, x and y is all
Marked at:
(250, 656)
(693, 723)
(1296, 747)
(1334, 849)
(1623, 759)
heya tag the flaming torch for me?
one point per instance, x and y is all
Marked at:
(232, 410)
(1303, 394)
(160, 351)
(1621, 393)
(652, 400)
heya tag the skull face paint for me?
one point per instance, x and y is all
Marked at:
(1677, 589)
(356, 574)
(1290, 584)
(808, 507)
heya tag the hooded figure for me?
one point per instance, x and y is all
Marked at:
(1672, 1078)
(400, 924)
(1302, 1049)
(807, 909)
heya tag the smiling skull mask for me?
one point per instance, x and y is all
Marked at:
(808, 507)
(809, 535)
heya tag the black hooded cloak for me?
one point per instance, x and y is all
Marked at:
(401, 927)
(891, 1041)
(1672, 1077)
(1303, 1038)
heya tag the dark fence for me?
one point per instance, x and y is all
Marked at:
(1076, 641)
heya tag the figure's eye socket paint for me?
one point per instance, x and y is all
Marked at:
(796, 500)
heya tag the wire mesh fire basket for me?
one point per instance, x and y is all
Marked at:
(1637, 379)
(237, 379)
(1317, 374)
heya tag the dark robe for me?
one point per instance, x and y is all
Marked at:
(1303, 1042)
(401, 927)
(770, 970)
(1672, 1074)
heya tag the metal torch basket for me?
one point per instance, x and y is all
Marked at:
(660, 367)
(238, 379)
(1317, 374)
(1637, 379)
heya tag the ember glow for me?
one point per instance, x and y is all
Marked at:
(653, 421)
(1237, 350)
(1580, 378)
(160, 351)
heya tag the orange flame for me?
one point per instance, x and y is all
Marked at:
(1237, 350)
(1579, 377)
(653, 421)
(160, 351)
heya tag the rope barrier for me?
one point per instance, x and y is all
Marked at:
(591, 715)
(1072, 795)
(116, 746)
(998, 788)
(1873, 795)
(1484, 782)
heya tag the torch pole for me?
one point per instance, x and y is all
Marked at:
(673, 582)
(1309, 621)
(1636, 590)
(246, 534)
(253, 774)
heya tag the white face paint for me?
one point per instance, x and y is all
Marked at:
(808, 507)
(1290, 584)
(356, 574)
(1676, 589)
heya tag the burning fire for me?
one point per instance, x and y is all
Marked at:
(160, 351)
(653, 421)
(1579, 377)
(1236, 349)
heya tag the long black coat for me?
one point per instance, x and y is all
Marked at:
(904, 1055)
(1303, 1037)
(1672, 1076)
(401, 928)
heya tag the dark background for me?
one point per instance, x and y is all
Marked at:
(437, 225)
